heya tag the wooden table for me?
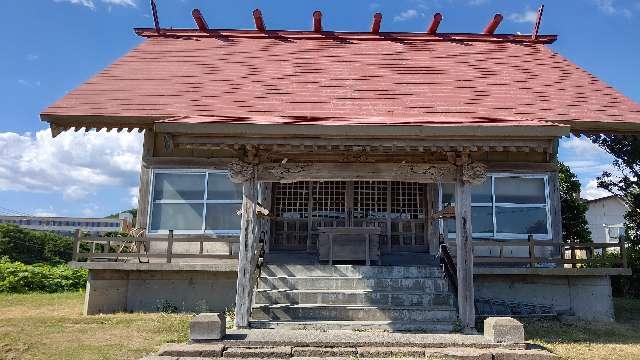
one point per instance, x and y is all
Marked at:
(349, 243)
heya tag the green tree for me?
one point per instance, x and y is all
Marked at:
(30, 247)
(574, 209)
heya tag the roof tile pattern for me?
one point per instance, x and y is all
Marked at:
(310, 81)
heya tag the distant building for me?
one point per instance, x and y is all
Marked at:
(68, 225)
(606, 218)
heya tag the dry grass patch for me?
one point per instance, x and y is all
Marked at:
(51, 326)
(590, 340)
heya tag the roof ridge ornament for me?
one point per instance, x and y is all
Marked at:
(200, 21)
(154, 12)
(258, 20)
(375, 26)
(433, 28)
(493, 24)
(536, 26)
(317, 21)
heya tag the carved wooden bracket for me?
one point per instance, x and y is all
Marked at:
(240, 171)
(474, 172)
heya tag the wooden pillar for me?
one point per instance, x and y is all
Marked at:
(433, 232)
(464, 255)
(248, 245)
(145, 180)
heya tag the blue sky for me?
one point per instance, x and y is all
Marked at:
(51, 46)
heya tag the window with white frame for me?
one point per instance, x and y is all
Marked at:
(505, 206)
(191, 202)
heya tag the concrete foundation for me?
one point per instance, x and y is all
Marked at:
(585, 297)
(211, 288)
(111, 291)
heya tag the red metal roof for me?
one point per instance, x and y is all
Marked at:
(344, 78)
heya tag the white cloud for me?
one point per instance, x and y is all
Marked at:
(28, 83)
(131, 3)
(406, 15)
(73, 164)
(91, 4)
(32, 57)
(478, 2)
(45, 212)
(527, 16)
(587, 160)
(611, 7)
(592, 191)
(581, 146)
(133, 193)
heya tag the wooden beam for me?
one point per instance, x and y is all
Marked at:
(200, 21)
(259, 21)
(317, 21)
(474, 172)
(433, 28)
(464, 255)
(247, 251)
(375, 26)
(493, 24)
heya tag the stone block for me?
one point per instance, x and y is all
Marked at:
(262, 352)
(503, 330)
(208, 327)
(459, 354)
(192, 350)
(324, 352)
(391, 352)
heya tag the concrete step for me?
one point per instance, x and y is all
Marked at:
(429, 285)
(433, 327)
(353, 297)
(398, 272)
(352, 313)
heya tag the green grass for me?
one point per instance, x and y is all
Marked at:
(51, 326)
(591, 340)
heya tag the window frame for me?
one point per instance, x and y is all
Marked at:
(205, 200)
(494, 205)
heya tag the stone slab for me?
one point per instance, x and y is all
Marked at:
(324, 352)
(207, 327)
(459, 354)
(267, 352)
(347, 338)
(499, 354)
(503, 330)
(158, 357)
(390, 352)
(193, 350)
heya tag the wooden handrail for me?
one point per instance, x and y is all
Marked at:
(168, 255)
(532, 259)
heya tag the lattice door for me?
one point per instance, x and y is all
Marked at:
(407, 215)
(291, 211)
(370, 205)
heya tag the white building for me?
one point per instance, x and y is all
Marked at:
(68, 225)
(606, 218)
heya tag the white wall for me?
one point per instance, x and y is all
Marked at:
(605, 211)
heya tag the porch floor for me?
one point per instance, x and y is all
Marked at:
(392, 259)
